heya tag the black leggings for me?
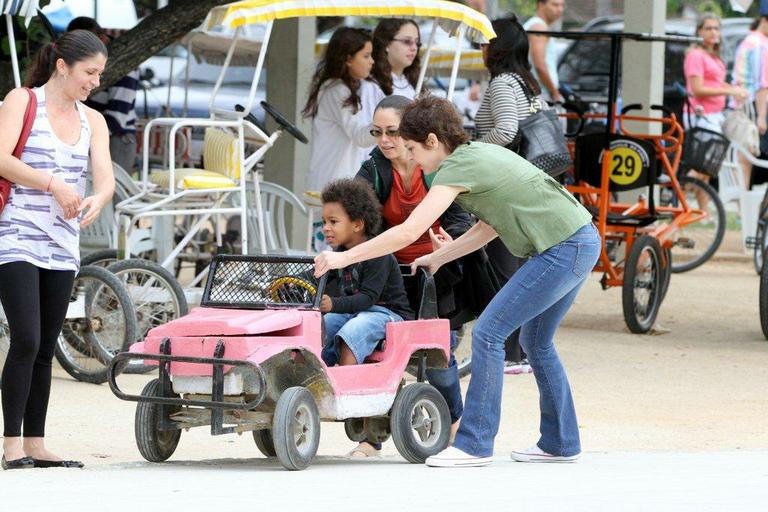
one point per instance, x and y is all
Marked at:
(35, 301)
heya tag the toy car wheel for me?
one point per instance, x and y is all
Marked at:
(355, 429)
(420, 422)
(154, 444)
(296, 428)
(264, 442)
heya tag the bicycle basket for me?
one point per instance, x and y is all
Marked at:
(704, 151)
(260, 282)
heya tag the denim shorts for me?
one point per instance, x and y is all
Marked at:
(361, 332)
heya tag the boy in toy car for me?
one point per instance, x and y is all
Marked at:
(362, 298)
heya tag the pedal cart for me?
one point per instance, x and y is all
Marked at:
(620, 160)
(249, 359)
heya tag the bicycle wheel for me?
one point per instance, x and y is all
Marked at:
(764, 300)
(102, 258)
(761, 241)
(100, 322)
(700, 240)
(156, 295)
(642, 289)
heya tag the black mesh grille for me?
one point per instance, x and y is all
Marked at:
(262, 281)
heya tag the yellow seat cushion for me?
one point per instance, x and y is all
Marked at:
(222, 164)
(192, 179)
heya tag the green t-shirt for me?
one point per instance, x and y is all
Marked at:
(529, 210)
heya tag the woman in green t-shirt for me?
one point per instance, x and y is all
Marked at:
(535, 217)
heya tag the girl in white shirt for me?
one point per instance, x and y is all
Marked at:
(396, 44)
(339, 92)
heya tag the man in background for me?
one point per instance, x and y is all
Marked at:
(117, 104)
(543, 54)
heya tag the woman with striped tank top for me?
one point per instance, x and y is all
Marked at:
(40, 226)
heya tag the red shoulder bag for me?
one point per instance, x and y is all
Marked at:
(29, 120)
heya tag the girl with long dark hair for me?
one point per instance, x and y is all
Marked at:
(396, 44)
(337, 102)
(39, 228)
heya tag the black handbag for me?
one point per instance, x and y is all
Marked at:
(540, 138)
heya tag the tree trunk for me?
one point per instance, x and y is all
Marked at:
(154, 33)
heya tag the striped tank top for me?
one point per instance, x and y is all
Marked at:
(32, 225)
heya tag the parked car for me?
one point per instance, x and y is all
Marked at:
(587, 75)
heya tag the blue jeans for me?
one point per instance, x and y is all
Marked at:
(361, 332)
(535, 299)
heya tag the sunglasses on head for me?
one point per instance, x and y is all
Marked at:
(390, 132)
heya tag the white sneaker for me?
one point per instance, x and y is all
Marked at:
(454, 458)
(536, 454)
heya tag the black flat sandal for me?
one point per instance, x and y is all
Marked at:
(40, 463)
(22, 463)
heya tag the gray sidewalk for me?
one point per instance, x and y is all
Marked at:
(626, 481)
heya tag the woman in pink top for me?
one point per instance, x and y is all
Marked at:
(705, 77)
(705, 81)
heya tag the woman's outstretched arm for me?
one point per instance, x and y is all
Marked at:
(431, 207)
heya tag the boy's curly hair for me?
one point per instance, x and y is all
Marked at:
(359, 201)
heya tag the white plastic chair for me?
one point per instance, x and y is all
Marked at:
(278, 203)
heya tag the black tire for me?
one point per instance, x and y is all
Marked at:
(102, 258)
(264, 442)
(761, 241)
(147, 279)
(155, 445)
(708, 236)
(642, 288)
(87, 344)
(296, 428)
(420, 422)
(355, 429)
(764, 299)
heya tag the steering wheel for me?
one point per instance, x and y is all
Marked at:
(284, 123)
(291, 289)
(252, 118)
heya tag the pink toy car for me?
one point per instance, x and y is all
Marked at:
(249, 359)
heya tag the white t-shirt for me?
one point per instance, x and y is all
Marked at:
(550, 58)
(402, 87)
(340, 138)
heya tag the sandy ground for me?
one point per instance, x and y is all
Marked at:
(674, 421)
(699, 387)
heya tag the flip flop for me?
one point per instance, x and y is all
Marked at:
(363, 451)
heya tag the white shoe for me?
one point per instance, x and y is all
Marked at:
(454, 458)
(536, 454)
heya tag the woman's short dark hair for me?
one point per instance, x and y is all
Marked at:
(384, 33)
(359, 201)
(394, 102)
(433, 115)
(508, 52)
(344, 43)
(72, 47)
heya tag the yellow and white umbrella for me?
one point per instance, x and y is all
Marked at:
(450, 15)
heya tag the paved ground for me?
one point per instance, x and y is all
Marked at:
(675, 421)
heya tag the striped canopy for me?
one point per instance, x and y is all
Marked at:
(450, 15)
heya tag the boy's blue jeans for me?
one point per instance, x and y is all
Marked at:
(361, 332)
(536, 299)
